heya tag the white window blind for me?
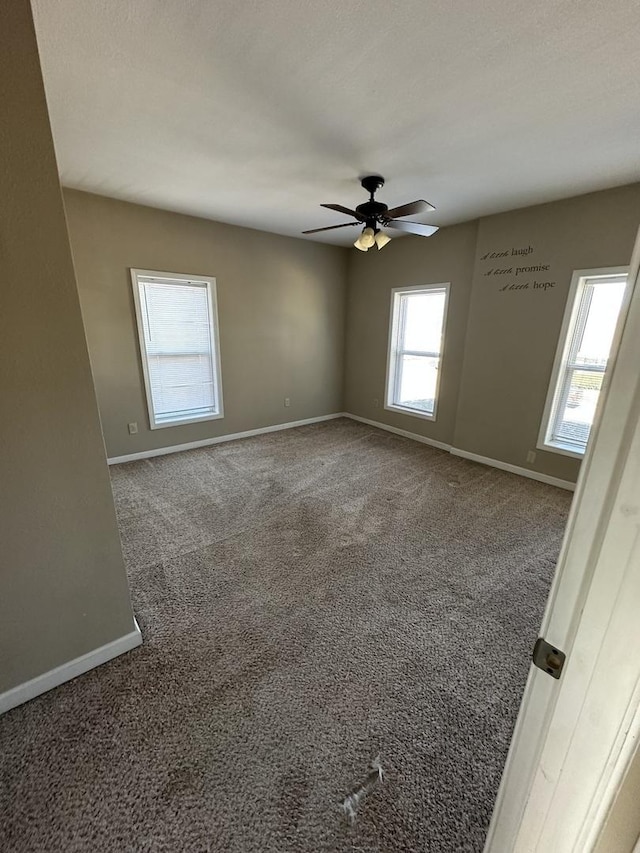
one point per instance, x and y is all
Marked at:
(178, 334)
(588, 335)
(418, 317)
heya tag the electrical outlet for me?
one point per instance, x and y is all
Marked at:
(376, 403)
(287, 402)
(133, 428)
(531, 456)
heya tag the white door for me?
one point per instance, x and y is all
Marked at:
(574, 736)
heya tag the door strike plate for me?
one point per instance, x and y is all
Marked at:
(548, 658)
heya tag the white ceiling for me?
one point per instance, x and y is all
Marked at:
(255, 111)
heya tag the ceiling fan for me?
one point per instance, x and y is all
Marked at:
(375, 215)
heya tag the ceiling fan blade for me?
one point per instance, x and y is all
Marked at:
(414, 207)
(413, 228)
(346, 210)
(330, 227)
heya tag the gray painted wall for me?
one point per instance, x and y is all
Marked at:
(64, 589)
(281, 316)
(512, 335)
(311, 322)
(445, 257)
(500, 344)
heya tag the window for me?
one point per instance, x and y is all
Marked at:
(178, 331)
(585, 345)
(418, 316)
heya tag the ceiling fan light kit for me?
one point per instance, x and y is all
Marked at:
(370, 238)
(382, 239)
(367, 239)
(375, 215)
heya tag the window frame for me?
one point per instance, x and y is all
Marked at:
(561, 364)
(209, 283)
(393, 352)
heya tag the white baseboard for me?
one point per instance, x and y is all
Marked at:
(233, 436)
(403, 432)
(441, 445)
(55, 677)
(515, 469)
(483, 460)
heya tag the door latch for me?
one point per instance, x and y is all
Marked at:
(548, 658)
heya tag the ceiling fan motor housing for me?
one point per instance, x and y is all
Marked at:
(372, 211)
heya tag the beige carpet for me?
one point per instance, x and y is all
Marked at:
(315, 604)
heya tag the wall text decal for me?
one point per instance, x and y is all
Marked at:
(506, 253)
(517, 274)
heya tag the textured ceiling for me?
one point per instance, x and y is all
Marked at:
(255, 111)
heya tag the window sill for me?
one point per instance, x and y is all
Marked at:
(416, 413)
(186, 420)
(562, 449)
